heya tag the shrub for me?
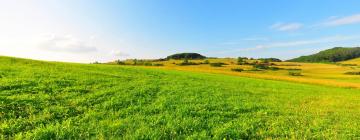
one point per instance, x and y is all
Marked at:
(261, 66)
(147, 64)
(135, 62)
(254, 69)
(289, 65)
(237, 69)
(206, 62)
(241, 60)
(353, 73)
(264, 61)
(274, 68)
(294, 69)
(96, 62)
(295, 73)
(119, 62)
(265, 66)
(187, 62)
(270, 60)
(158, 64)
(160, 59)
(219, 64)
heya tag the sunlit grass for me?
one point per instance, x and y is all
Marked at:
(313, 73)
(352, 61)
(48, 100)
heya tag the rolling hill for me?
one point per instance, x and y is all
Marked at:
(186, 56)
(331, 55)
(355, 61)
(52, 100)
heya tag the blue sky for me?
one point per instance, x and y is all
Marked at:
(104, 30)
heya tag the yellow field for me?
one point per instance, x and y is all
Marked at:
(352, 61)
(313, 73)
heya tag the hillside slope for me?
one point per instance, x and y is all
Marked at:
(355, 61)
(331, 55)
(48, 100)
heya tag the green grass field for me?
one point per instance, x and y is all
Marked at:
(50, 100)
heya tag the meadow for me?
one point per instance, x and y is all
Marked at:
(328, 74)
(53, 100)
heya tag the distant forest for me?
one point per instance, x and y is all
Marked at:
(331, 55)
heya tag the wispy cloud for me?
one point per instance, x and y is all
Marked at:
(286, 26)
(331, 39)
(337, 21)
(243, 40)
(119, 54)
(65, 43)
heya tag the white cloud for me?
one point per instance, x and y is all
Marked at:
(257, 47)
(65, 43)
(336, 21)
(331, 39)
(119, 54)
(286, 26)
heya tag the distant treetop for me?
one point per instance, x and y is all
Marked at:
(186, 56)
(271, 59)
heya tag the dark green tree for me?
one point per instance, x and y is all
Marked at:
(240, 61)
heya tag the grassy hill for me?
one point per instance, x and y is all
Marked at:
(355, 61)
(328, 74)
(49, 100)
(331, 55)
(186, 56)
